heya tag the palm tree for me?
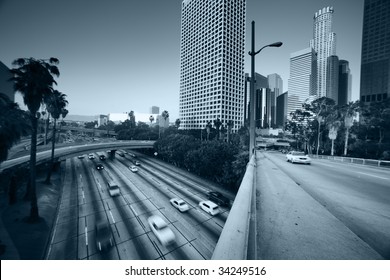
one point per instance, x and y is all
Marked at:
(177, 123)
(165, 116)
(13, 123)
(33, 78)
(217, 124)
(64, 112)
(56, 103)
(229, 125)
(151, 119)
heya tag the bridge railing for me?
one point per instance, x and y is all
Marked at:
(363, 161)
(235, 237)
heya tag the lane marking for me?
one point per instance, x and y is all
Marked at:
(372, 175)
(112, 217)
(86, 236)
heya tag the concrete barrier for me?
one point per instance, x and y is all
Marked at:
(233, 242)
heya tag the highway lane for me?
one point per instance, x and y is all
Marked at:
(359, 196)
(143, 194)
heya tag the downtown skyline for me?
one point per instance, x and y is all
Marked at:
(126, 56)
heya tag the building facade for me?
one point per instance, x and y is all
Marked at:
(332, 78)
(155, 110)
(281, 109)
(6, 86)
(324, 44)
(212, 62)
(275, 84)
(375, 61)
(345, 83)
(302, 84)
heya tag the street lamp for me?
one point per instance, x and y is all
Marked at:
(252, 117)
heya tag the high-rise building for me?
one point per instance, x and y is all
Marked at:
(332, 78)
(281, 109)
(324, 44)
(275, 84)
(345, 82)
(154, 110)
(261, 93)
(375, 62)
(6, 86)
(303, 78)
(212, 62)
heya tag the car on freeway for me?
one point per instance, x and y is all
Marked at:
(218, 198)
(179, 204)
(209, 207)
(161, 230)
(91, 156)
(81, 156)
(99, 166)
(104, 239)
(133, 168)
(113, 188)
(137, 163)
(120, 153)
(102, 157)
(298, 157)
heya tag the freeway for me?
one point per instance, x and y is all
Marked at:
(358, 196)
(144, 193)
(71, 151)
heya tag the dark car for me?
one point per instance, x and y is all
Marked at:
(102, 157)
(218, 198)
(104, 240)
(99, 166)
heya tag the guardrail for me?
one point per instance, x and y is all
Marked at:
(363, 161)
(235, 236)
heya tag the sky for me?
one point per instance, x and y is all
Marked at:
(124, 55)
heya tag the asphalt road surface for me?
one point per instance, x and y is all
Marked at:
(359, 196)
(144, 193)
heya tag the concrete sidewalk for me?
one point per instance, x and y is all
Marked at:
(291, 225)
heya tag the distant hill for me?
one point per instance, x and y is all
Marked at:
(80, 118)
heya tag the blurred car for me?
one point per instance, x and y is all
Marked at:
(179, 204)
(113, 188)
(102, 157)
(160, 228)
(91, 156)
(209, 207)
(99, 166)
(298, 157)
(137, 163)
(81, 156)
(120, 153)
(104, 239)
(218, 198)
(133, 168)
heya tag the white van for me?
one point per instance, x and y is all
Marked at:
(113, 188)
(209, 207)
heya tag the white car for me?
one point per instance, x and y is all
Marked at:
(179, 204)
(91, 156)
(298, 157)
(160, 228)
(209, 207)
(133, 168)
(80, 156)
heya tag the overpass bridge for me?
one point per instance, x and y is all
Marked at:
(71, 151)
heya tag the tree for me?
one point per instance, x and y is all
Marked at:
(14, 123)
(56, 103)
(177, 123)
(321, 108)
(229, 125)
(217, 124)
(64, 113)
(165, 116)
(132, 119)
(208, 128)
(347, 113)
(33, 78)
(151, 119)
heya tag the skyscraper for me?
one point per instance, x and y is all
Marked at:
(275, 84)
(375, 63)
(6, 86)
(324, 44)
(212, 62)
(345, 82)
(332, 78)
(303, 78)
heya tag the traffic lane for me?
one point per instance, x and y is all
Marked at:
(143, 209)
(360, 203)
(358, 179)
(160, 194)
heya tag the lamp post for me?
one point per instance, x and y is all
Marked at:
(252, 117)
